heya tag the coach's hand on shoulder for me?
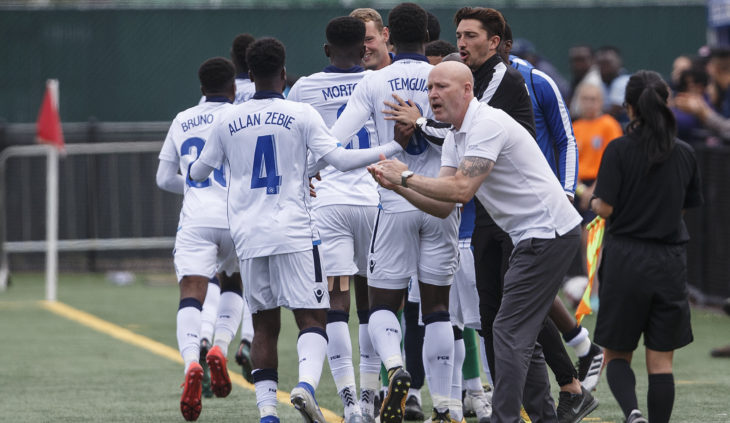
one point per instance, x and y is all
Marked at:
(403, 134)
(405, 112)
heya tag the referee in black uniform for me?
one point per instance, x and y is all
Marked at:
(646, 179)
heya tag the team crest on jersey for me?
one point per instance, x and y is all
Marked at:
(318, 294)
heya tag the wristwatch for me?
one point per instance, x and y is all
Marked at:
(404, 177)
(420, 122)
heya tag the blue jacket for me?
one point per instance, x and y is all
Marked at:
(552, 123)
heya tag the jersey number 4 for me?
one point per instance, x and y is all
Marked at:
(264, 174)
(195, 145)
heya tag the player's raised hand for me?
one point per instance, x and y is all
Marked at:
(403, 133)
(405, 112)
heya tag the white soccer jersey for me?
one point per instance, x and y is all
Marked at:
(267, 139)
(521, 193)
(328, 92)
(245, 89)
(204, 203)
(407, 77)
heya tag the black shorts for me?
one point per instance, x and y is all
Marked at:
(643, 290)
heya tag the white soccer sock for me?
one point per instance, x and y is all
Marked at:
(369, 360)
(246, 324)
(438, 354)
(474, 385)
(265, 382)
(188, 330)
(455, 407)
(210, 311)
(385, 334)
(485, 363)
(229, 314)
(581, 343)
(339, 354)
(312, 349)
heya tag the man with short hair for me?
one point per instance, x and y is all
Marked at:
(407, 241)
(437, 50)
(527, 201)
(377, 35)
(265, 140)
(203, 244)
(345, 210)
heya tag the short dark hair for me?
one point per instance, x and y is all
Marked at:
(216, 74)
(345, 31)
(440, 48)
(434, 28)
(507, 33)
(720, 52)
(608, 49)
(491, 19)
(266, 57)
(408, 24)
(238, 51)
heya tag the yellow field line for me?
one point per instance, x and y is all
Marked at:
(126, 335)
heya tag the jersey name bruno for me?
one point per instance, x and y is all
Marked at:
(328, 93)
(407, 77)
(266, 140)
(204, 203)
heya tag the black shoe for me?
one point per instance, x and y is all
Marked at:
(589, 367)
(572, 408)
(394, 403)
(413, 409)
(243, 358)
(204, 347)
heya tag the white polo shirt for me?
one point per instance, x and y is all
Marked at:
(521, 193)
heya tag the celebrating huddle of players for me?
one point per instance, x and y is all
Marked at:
(396, 155)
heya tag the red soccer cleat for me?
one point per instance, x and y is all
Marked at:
(190, 405)
(220, 382)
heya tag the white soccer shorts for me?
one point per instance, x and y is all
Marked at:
(410, 243)
(345, 232)
(203, 252)
(463, 296)
(293, 280)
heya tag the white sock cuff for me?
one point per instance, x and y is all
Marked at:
(577, 339)
(369, 381)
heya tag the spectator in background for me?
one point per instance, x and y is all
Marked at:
(593, 131)
(582, 69)
(718, 67)
(680, 64)
(614, 78)
(692, 106)
(524, 49)
(437, 50)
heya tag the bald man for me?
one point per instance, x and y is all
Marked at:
(490, 155)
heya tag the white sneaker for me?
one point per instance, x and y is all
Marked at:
(481, 403)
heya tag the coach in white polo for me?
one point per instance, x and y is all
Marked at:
(488, 154)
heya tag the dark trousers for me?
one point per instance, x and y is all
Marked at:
(536, 270)
(492, 249)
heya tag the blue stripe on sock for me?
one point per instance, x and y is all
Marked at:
(260, 375)
(436, 316)
(337, 316)
(190, 302)
(316, 330)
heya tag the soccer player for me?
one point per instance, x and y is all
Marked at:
(377, 35)
(345, 210)
(407, 241)
(527, 201)
(265, 141)
(203, 243)
(244, 91)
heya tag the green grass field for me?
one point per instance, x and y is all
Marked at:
(55, 369)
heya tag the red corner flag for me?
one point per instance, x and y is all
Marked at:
(48, 127)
